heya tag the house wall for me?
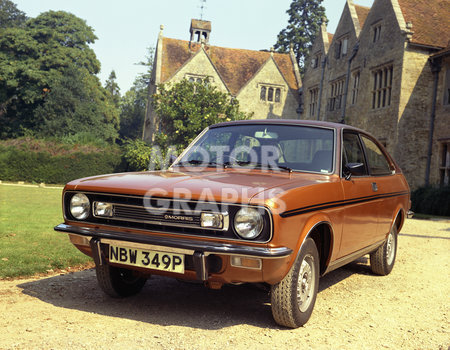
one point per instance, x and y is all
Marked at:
(200, 65)
(404, 125)
(336, 69)
(442, 124)
(313, 74)
(249, 96)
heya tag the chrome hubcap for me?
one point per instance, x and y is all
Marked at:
(390, 249)
(306, 283)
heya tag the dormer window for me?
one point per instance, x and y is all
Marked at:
(376, 29)
(315, 61)
(341, 48)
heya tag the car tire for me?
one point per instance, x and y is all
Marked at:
(293, 298)
(118, 282)
(382, 260)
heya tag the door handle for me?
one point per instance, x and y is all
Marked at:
(374, 187)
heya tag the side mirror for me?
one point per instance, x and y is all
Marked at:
(353, 169)
(172, 159)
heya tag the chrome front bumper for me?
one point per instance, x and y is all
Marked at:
(198, 249)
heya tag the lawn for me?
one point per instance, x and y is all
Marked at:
(28, 243)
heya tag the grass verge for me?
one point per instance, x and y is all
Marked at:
(28, 243)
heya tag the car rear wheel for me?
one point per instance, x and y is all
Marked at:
(382, 260)
(294, 297)
(118, 282)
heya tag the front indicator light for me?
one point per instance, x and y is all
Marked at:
(247, 263)
(212, 220)
(103, 209)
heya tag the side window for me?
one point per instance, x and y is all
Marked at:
(378, 164)
(352, 152)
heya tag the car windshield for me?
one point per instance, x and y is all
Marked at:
(266, 146)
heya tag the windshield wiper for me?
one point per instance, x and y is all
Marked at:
(284, 168)
(195, 162)
(260, 165)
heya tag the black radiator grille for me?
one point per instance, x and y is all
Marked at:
(144, 215)
(165, 216)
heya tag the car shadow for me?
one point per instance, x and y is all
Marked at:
(166, 301)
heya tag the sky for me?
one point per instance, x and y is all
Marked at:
(125, 29)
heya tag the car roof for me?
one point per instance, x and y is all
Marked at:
(288, 122)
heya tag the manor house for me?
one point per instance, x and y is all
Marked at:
(264, 82)
(386, 69)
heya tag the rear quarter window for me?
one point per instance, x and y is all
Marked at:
(376, 160)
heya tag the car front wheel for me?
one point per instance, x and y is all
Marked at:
(382, 260)
(118, 282)
(294, 297)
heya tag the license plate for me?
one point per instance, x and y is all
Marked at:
(150, 259)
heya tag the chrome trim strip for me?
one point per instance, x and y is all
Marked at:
(353, 256)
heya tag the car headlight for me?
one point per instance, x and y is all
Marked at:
(248, 223)
(80, 206)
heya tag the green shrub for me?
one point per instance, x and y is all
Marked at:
(140, 156)
(34, 160)
(431, 200)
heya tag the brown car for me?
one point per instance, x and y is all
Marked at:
(260, 201)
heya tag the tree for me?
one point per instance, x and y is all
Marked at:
(134, 102)
(33, 61)
(10, 15)
(113, 88)
(305, 19)
(77, 104)
(186, 108)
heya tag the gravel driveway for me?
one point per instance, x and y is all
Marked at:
(408, 309)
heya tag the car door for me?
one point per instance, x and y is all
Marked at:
(361, 205)
(382, 173)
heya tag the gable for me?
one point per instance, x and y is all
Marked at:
(348, 23)
(199, 66)
(235, 66)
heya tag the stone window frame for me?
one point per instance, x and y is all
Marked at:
(444, 161)
(382, 80)
(376, 31)
(341, 46)
(336, 94)
(356, 78)
(313, 100)
(270, 93)
(198, 78)
(315, 61)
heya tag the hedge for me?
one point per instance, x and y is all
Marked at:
(40, 161)
(431, 200)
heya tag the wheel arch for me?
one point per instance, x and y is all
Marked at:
(399, 219)
(321, 231)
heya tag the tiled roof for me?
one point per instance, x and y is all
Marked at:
(235, 66)
(362, 12)
(430, 20)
